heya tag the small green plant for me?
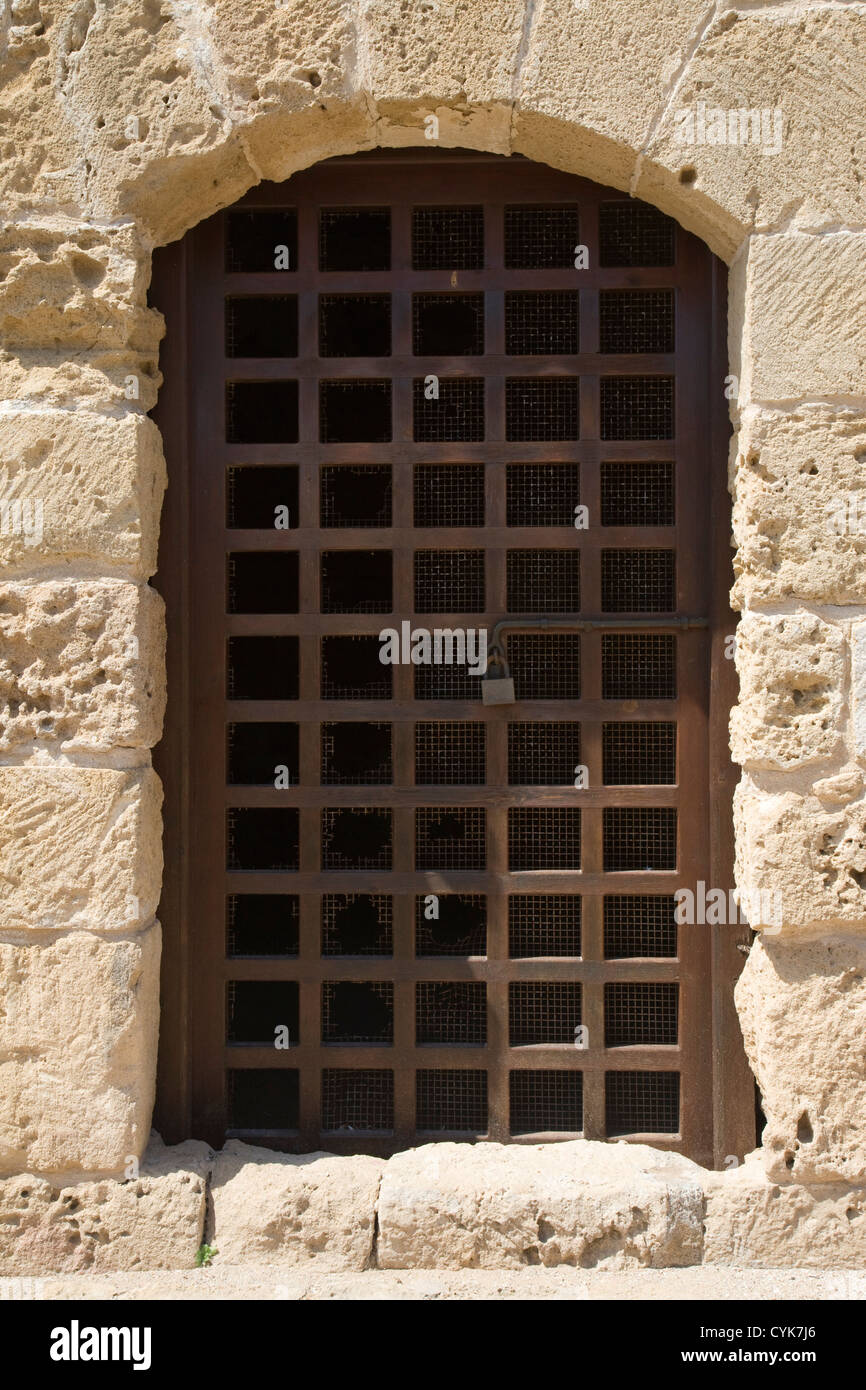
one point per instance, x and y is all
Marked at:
(204, 1255)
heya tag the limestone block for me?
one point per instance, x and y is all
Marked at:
(592, 80)
(802, 1008)
(808, 852)
(456, 61)
(78, 1029)
(71, 287)
(792, 671)
(271, 1208)
(78, 486)
(858, 668)
(41, 160)
(754, 1222)
(805, 63)
(153, 126)
(800, 506)
(152, 1221)
(79, 847)
(805, 327)
(81, 665)
(290, 77)
(493, 1206)
(89, 381)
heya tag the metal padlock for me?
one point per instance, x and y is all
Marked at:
(497, 683)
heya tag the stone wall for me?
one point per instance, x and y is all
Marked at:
(125, 123)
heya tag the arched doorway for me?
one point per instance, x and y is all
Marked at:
(472, 398)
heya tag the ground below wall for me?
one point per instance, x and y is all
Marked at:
(584, 1205)
(710, 1283)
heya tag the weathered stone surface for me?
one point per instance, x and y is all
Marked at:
(805, 62)
(79, 847)
(41, 160)
(81, 665)
(75, 287)
(78, 1027)
(581, 1203)
(92, 485)
(565, 116)
(751, 1220)
(858, 678)
(800, 506)
(152, 1221)
(805, 326)
(271, 1208)
(802, 1007)
(792, 672)
(808, 852)
(140, 94)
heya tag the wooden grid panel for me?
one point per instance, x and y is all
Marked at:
(420, 1075)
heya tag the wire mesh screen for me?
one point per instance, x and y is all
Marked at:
(542, 407)
(635, 234)
(449, 581)
(637, 494)
(255, 239)
(262, 1100)
(541, 322)
(447, 325)
(451, 924)
(451, 1101)
(357, 924)
(545, 666)
(636, 320)
(262, 924)
(451, 1011)
(541, 237)
(446, 683)
(261, 325)
(351, 669)
(641, 1014)
(357, 1011)
(262, 668)
(354, 325)
(356, 581)
(356, 838)
(639, 925)
(543, 754)
(449, 494)
(542, 494)
(637, 407)
(355, 412)
(448, 238)
(355, 238)
(541, 1011)
(642, 1102)
(544, 924)
(642, 754)
(450, 753)
(638, 666)
(448, 410)
(262, 839)
(355, 495)
(543, 837)
(356, 1100)
(356, 755)
(638, 581)
(450, 837)
(543, 581)
(545, 1102)
(639, 837)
